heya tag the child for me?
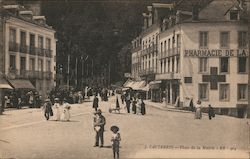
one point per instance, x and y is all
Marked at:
(116, 138)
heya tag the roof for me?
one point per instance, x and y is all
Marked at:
(216, 10)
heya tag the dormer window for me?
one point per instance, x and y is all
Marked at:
(234, 15)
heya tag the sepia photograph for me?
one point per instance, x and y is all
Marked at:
(124, 79)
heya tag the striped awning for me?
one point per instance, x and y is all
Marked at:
(4, 84)
(20, 83)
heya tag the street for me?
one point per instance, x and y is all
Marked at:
(159, 134)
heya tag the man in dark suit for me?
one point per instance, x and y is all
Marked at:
(95, 103)
(99, 123)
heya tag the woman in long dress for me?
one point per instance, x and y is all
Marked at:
(66, 113)
(198, 106)
(57, 108)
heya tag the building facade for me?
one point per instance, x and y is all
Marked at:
(202, 54)
(29, 49)
(136, 59)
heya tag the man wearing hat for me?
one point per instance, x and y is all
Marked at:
(47, 109)
(99, 123)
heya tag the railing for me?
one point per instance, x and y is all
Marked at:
(147, 71)
(40, 51)
(48, 53)
(32, 50)
(13, 46)
(47, 75)
(24, 74)
(24, 49)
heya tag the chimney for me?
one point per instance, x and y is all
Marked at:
(34, 6)
(26, 14)
(150, 17)
(12, 8)
(195, 12)
(39, 19)
(145, 20)
(155, 15)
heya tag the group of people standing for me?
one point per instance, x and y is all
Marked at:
(62, 110)
(138, 105)
(198, 111)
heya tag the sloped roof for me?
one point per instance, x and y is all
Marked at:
(216, 10)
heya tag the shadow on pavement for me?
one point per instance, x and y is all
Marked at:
(4, 141)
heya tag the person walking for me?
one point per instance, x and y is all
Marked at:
(128, 101)
(57, 108)
(211, 113)
(116, 138)
(122, 97)
(134, 102)
(47, 109)
(198, 114)
(143, 108)
(99, 123)
(95, 103)
(65, 116)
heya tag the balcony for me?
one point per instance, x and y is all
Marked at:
(47, 75)
(168, 76)
(24, 74)
(13, 46)
(48, 53)
(24, 49)
(149, 71)
(32, 50)
(40, 51)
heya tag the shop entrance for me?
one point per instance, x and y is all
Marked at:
(175, 92)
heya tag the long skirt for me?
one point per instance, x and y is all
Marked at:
(198, 114)
(58, 113)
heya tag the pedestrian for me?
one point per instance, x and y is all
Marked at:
(198, 114)
(211, 113)
(122, 97)
(116, 138)
(95, 103)
(99, 123)
(47, 109)
(134, 102)
(57, 108)
(117, 104)
(65, 116)
(143, 108)
(128, 101)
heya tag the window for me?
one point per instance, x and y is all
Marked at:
(242, 92)
(32, 40)
(234, 14)
(165, 47)
(40, 42)
(32, 64)
(12, 62)
(40, 65)
(12, 35)
(23, 38)
(168, 64)
(242, 39)
(203, 39)
(23, 63)
(224, 63)
(173, 64)
(203, 65)
(177, 64)
(203, 91)
(242, 64)
(161, 48)
(178, 41)
(224, 91)
(224, 39)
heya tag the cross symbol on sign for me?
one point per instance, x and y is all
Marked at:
(213, 78)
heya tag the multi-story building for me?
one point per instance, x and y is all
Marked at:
(29, 49)
(202, 54)
(136, 54)
(209, 62)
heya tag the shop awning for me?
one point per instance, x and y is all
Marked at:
(154, 84)
(19, 83)
(127, 83)
(145, 88)
(138, 85)
(4, 84)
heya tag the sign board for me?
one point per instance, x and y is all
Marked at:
(216, 53)
(127, 75)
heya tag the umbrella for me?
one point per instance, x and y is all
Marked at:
(114, 129)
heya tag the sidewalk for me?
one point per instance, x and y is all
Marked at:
(165, 107)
